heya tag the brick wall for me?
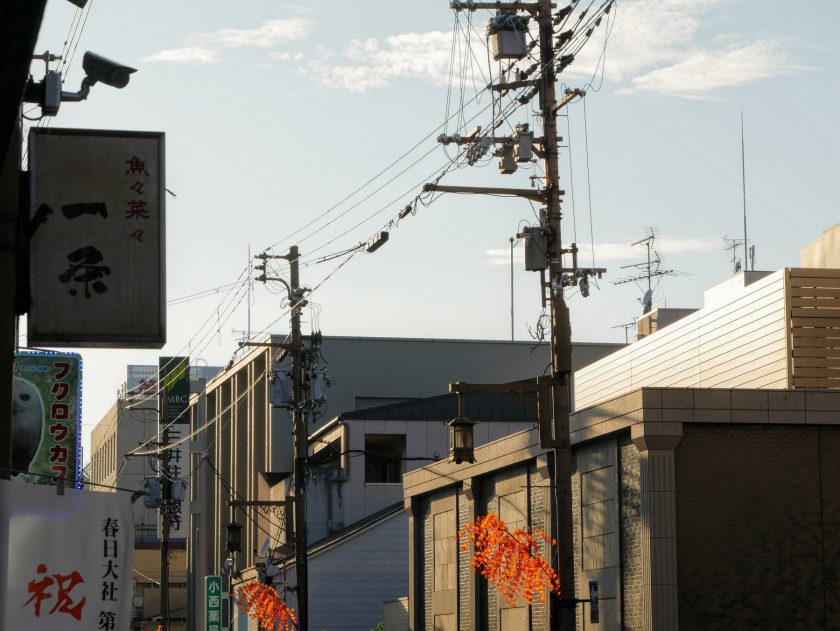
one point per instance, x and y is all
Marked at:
(576, 540)
(428, 564)
(536, 509)
(757, 526)
(631, 535)
(464, 568)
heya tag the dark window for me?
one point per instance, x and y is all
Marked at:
(384, 455)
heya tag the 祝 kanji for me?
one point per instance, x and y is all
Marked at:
(64, 603)
(85, 267)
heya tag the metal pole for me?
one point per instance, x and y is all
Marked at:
(300, 445)
(561, 333)
(511, 289)
(165, 495)
(9, 212)
(744, 190)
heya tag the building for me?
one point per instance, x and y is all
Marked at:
(355, 523)
(248, 442)
(131, 421)
(704, 491)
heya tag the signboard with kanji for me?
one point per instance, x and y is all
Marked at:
(46, 416)
(97, 270)
(213, 603)
(174, 387)
(65, 561)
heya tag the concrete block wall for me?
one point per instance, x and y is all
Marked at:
(630, 533)
(758, 522)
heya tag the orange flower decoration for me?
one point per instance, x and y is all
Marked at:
(262, 603)
(511, 561)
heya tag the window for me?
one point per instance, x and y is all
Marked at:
(383, 458)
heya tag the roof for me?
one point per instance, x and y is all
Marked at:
(348, 532)
(482, 406)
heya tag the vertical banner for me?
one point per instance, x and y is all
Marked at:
(68, 559)
(213, 603)
(174, 389)
(46, 416)
(97, 250)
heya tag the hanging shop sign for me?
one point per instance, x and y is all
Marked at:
(46, 416)
(97, 273)
(66, 560)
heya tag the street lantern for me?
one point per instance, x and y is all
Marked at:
(234, 537)
(461, 441)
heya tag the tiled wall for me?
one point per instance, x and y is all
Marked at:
(758, 526)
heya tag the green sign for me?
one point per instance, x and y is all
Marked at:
(213, 603)
(46, 423)
(174, 388)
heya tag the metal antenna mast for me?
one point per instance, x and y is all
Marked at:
(648, 270)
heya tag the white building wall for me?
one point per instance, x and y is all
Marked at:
(741, 343)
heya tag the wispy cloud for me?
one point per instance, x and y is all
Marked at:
(187, 55)
(266, 35)
(366, 64)
(203, 48)
(704, 72)
(616, 251)
(669, 47)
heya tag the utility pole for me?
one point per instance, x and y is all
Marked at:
(547, 253)
(300, 433)
(165, 497)
(561, 329)
(299, 430)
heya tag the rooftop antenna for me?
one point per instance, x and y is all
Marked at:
(626, 326)
(648, 270)
(744, 191)
(734, 244)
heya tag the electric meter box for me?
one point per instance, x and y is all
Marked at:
(536, 249)
(508, 44)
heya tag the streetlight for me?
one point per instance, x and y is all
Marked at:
(461, 443)
(234, 537)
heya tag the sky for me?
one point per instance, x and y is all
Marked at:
(315, 124)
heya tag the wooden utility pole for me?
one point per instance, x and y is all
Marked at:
(301, 446)
(165, 504)
(554, 417)
(299, 430)
(561, 330)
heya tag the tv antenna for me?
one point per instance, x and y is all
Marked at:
(737, 265)
(626, 326)
(649, 269)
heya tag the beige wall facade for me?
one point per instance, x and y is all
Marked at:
(693, 509)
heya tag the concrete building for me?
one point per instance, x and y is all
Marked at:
(248, 443)
(704, 489)
(132, 420)
(355, 523)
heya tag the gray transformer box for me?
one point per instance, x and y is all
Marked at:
(536, 249)
(508, 44)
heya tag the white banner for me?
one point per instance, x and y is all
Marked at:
(65, 561)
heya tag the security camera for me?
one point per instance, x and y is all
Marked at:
(98, 68)
(49, 95)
